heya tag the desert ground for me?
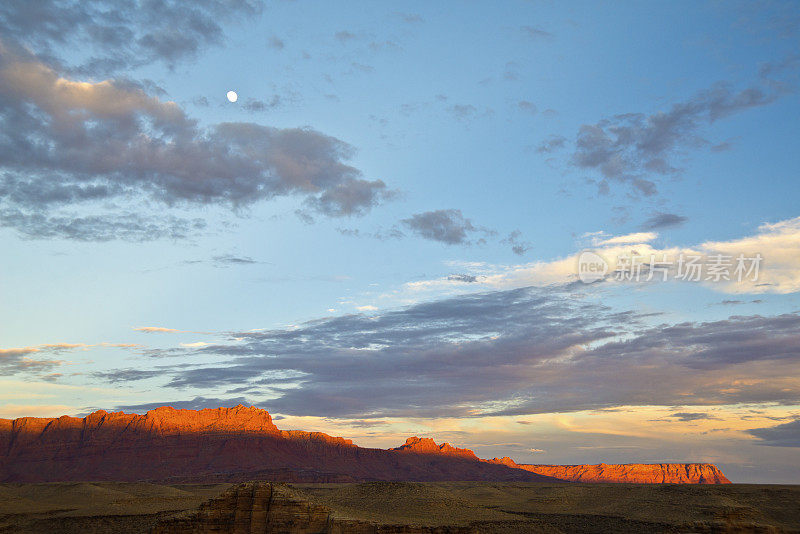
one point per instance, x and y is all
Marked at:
(463, 506)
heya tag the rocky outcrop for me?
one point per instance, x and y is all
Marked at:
(263, 507)
(219, 445)
(428, 446)
(250, 508)
(630, 473)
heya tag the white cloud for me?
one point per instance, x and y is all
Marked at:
(629, 239)
(779, 272)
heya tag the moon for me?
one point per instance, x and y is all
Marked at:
(232, 96)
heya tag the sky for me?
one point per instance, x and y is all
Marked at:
(469, 221)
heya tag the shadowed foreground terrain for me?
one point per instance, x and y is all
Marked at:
(409, 507)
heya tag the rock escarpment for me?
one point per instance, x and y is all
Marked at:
(630, 473)
(221, 445)
(241, 443)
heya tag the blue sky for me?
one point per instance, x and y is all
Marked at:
(394, 164)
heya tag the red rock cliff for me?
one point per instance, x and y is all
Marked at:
(223, 444)
(241, 443)
(631, 473)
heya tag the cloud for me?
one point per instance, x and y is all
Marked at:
(629, 239)
(253, 104)
(466, 278)
(125, 226)
(344, 36)
(785, 435)
(126, 375)
(225, 260)
(157, 329)
(463, 112)
(664, 220)
(380, 234)
(518, 246)
(536, 33)
(112, 35)
(18, 359)
(445, 226)
(77, 144)
(691, 416)
(778, 244)
(626, 148)
(551, 144)
(527, 107)
(409, 18)
(512, 352)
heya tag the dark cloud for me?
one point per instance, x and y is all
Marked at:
(527, 107)
(410, 18)
(71, 144)
(737, 302)
(126, 375)
(253, 104)
(722, 147)
(446, 226)
(785, 435)
(126, 226)
(112, 35)
(466, 278)
(536, 33)
(512, 352)
(625, 148)
(463, 112)
(518, 245)
(691, 416)
(276, 42)
(663, 220)
(361, 67)
(380, 234)
(224, 260)
(344, 36)
(551, 144)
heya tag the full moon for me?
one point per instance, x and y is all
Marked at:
(232, 96)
